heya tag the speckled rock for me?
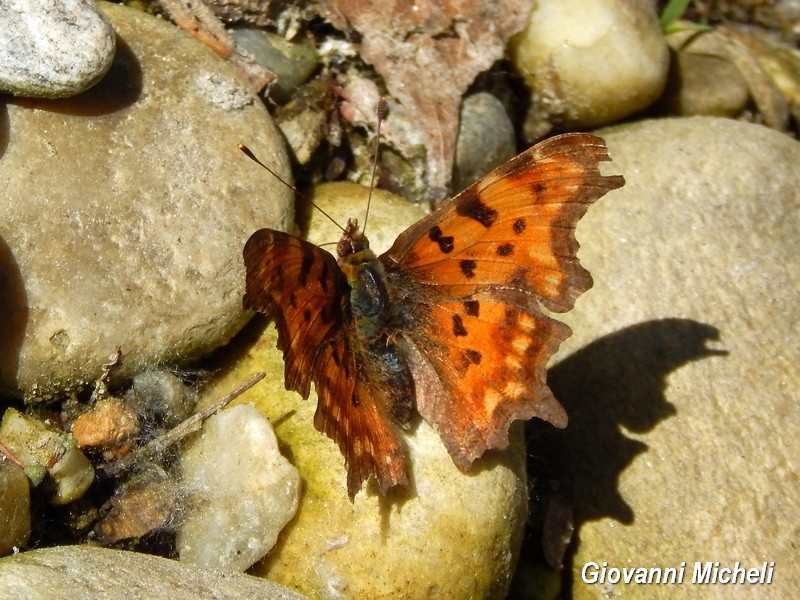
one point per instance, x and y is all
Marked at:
(53, 48)
(103, 574)
(589, 63)
(682, 379)
(125, 212)
(242, 491)
(449, 532)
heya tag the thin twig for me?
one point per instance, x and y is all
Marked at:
(6, 451)
(199, 21)
(190, 425)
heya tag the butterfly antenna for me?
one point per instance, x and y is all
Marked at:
(253, 157)
(381, 115)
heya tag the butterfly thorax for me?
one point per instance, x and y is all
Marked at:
(370, 300)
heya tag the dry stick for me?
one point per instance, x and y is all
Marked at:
(176, 434)
(197, 19)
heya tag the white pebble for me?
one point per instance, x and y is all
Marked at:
(53, 48)
(242, 491)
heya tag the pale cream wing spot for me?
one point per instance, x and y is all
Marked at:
(491, 399)
(513, 389)
(526, 322)
(521, 344)
(513, 362)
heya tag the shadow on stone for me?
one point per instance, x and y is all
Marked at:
(3, 128)
(615, 383)
(13, 318)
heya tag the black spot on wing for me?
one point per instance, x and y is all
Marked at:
(469, 358)
(473, 356)
(468, 268)
(458, 326)
(505, 249)
(472, 308)
(473, 207)
(445, 241)
(520, 226)
(323, 276)
(328, 314)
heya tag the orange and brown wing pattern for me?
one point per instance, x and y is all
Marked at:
(514, 228)
(471, 276)
(301, 288)
(486, 357)
(354, 414)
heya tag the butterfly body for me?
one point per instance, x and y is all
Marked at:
(447, 322)
(370, 301)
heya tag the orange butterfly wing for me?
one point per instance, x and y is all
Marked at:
(471, 275)
(302, 289)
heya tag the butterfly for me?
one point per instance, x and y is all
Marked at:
(447, 323)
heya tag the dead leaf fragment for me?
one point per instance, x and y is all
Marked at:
(132, 514)
(428, 54)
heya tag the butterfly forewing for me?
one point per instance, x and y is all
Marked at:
(471, 276)
(513, 228)
(302, 289)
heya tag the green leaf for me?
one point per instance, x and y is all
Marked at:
(673, 11)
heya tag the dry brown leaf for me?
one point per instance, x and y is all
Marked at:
(428, 55)
(132, 514)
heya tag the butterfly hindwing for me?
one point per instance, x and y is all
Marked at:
(486, 357)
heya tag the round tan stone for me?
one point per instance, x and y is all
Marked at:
(592, 62)
(125, 210)
(682, 378)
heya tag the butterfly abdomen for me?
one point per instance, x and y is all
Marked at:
(375, 321)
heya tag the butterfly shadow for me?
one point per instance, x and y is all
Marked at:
(13, 316)
(614, 384)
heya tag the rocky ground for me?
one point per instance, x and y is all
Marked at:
(127, 204)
